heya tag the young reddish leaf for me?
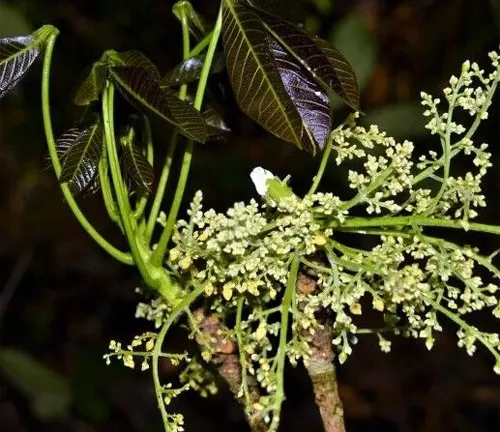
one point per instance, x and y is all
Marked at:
(139, 81)
(80, 160)
(17, 54)
(255, 78)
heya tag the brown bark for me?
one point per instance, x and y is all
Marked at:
(321, 368)
(226, 358)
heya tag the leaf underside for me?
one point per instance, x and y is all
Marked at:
(255, 78)
(324, 63)
(139, 81)
(17, 54)
(190, 70)
(308, 97)
(137, 167)
(80, 160)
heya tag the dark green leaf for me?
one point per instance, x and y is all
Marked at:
(255, 78)
(17, 54)
(214, 119)
(139, 81)
(190, 70)
(137, 166)
(326, 65)
(48, 391)
(92, 85)
(81, 159)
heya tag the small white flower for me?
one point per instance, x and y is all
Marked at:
(260, 177)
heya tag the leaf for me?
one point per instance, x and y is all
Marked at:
(47, 390)
(355, 41)
(80, 160)
(137, 166)
(326, 65)
(139, 81)
(17, 54)
(308, 97)
(190, 70)
(92, 85)
(255, 78)
(214, 119)
(346, 85)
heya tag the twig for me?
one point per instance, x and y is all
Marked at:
(321, 368)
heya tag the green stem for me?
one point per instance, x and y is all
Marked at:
(143, 200)
(446, 144)
(162, 184)
(321, 169)
(201, 45)
(243, 360)
(159, 253)
(477, 121)
(123, 257)
(373, 186)
(461, 323)
(413, 221)
(107, 194)
(281, 356)
(184, 304)
(129, 225)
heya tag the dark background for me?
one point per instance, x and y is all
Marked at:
(63, 299)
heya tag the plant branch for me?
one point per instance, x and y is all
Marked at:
(320, 365)
(161, 248)
(322, 166)
(231, 365)
(286, 303)
(125, 258)
(176, 312)
(401, 221)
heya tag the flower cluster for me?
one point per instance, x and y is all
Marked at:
(249, 261)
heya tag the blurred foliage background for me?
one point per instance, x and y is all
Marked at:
(62, 299)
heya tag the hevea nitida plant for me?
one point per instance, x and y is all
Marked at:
(271, 282)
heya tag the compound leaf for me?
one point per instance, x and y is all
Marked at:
(255, 78)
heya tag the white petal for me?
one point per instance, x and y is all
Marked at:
(260, 176)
